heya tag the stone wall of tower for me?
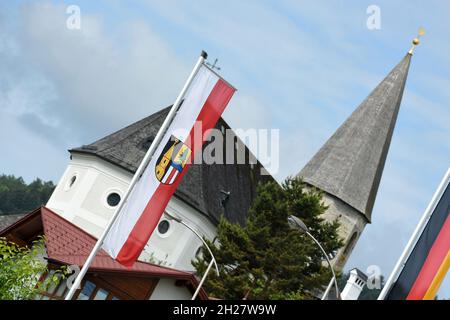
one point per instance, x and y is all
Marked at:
(352, 224)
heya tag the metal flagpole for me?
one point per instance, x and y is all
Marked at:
(415, 236)
(180, 221)
(137, 175)
(338, 296)
(203, 279)
(213, 259)
(327, 291)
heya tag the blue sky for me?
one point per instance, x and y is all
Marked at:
(300, 66)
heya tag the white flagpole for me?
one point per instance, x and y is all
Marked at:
(213, 261)
(415, 236)
(327, 291)
(137, 175)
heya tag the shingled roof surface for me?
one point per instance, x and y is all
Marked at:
(203, 185)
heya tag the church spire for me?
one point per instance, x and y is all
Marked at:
(350, 164)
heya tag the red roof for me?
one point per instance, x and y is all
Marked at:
(69, 244)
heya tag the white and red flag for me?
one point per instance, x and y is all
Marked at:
(204, 101)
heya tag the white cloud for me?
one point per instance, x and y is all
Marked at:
(97, 84)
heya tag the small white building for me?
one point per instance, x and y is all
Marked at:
(355, 285)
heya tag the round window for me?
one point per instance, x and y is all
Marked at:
(163, 227)
(113, 199)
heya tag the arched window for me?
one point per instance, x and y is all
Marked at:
(71, 182)
(351, 243)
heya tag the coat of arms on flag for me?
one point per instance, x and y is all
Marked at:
(171, 161)
(204, 100)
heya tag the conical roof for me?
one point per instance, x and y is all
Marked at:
(350, 164)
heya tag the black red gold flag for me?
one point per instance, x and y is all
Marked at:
(429, 261)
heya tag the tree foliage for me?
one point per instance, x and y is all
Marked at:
(18, 197)
(21, 269)
(265, 259)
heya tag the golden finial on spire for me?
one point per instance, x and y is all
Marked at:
(416, 40)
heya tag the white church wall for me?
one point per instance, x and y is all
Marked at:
(83, 201)
(167, 290)
(179, 245)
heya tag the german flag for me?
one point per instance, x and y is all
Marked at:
(429, 261)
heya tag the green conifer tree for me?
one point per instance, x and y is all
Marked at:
(266, 259)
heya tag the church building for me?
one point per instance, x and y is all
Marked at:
(348, 169)
(98, 175)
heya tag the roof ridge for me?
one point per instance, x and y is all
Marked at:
(157, 116)
(145, 123)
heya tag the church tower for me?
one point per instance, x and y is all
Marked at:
(348, 168)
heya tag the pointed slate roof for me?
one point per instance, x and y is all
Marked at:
(350, 164)
(203, 185)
